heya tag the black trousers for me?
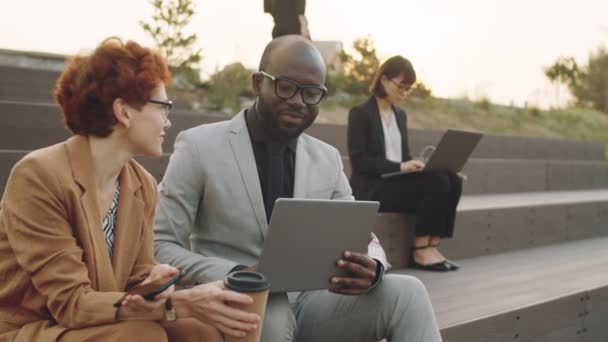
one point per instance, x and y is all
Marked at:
(285, 28)
(431, 195)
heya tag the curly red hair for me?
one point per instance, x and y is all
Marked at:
(89, 84)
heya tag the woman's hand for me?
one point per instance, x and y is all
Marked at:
(412, 166)
(160, 272)
(134, 305)
(213, 304)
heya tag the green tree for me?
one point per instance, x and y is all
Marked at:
(166, 27)
(589, 83)
(358, 69)
(564, 70)
(228, 86)
(420, 90)
(591, 89)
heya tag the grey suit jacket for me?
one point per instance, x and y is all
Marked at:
(210, 215)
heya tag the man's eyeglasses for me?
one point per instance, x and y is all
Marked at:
(166, 106)
(286, 89)
(402, 87)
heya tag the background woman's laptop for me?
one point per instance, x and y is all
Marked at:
(452, 153)
(307, 236)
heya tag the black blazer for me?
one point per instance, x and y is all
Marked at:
(366, 147)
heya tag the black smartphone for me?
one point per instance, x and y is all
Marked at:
(150, 290)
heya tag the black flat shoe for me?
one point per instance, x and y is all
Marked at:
(453, 266)
(449, 263)
(434, 267)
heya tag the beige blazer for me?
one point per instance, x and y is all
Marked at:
(55, 270)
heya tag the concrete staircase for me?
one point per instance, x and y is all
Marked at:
(531, 234)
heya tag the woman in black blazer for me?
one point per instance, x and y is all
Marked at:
(378, 144)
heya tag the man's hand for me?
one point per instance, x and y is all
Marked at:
(361, 270)
(252, 268)
(222, 308)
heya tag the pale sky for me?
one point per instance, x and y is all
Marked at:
(493, 48)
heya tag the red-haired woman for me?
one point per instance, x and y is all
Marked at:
(76, 218)
(378, 144)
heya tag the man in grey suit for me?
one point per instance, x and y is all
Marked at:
(219, 189)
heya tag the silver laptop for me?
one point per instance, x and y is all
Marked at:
(452, 153)
(306, 237)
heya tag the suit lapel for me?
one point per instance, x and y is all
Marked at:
(376, 121)
(90, 235)
(301, 174)
(240, 143)
(128, 226)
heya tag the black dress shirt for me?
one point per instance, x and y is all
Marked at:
(262, 150)
(268, 170)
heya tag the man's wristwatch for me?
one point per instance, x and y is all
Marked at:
(170, 314)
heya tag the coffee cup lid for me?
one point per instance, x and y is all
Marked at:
(246, 281)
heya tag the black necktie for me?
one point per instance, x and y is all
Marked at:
(274, 176)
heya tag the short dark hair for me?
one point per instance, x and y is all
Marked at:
(393, 67)
(89, 84)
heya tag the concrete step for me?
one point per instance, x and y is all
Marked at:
(488, 176)
(22, 116)
(486, 224)
(491, 146)
(29, 126)
(484, 176)
(23, 84)
(8, 158)
(556, 293)
(498, 223)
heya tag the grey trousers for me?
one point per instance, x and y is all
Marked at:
(398, 309)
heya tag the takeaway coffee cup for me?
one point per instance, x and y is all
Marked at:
(256, 286)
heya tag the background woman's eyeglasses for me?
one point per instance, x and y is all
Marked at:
(402, 87)
(286, 89)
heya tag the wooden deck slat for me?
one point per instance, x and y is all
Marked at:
(527, 199)
(489, 285)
